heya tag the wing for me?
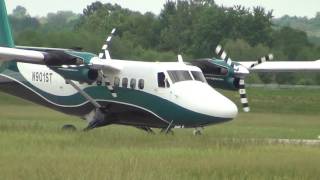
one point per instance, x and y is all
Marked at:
(284, 66)
(55, 57)
(20, 55)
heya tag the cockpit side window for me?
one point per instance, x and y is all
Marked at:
(181, 75)
(161, 80)
(198, 76)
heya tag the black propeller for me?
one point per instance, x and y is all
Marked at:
(105, 55)
(105, 48)
(223, 54)
(240, 73)
(266, 58)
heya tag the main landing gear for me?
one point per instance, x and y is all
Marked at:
(198, 131)
(99, 115)
(147, 129)
(69, 127)
(99, 118)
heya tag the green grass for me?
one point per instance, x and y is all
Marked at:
(32, 146)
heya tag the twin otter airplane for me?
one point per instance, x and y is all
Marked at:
(145, 95)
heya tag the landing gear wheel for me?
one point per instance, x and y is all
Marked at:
(69, 127)
(197, 132)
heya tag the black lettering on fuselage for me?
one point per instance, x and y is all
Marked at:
(43, 77)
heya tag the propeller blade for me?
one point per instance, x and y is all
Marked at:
(105, 52)
(243, 96)
(264, 59)
(222, 53)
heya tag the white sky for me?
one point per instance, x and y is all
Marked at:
(281, 7)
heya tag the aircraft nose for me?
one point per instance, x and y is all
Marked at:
(228, 109)
(204, 99)
(217, 105)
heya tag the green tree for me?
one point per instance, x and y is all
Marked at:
(290, 41)
(19, 12)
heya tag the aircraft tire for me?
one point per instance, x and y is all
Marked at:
(69, 127)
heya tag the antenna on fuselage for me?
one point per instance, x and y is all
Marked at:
(180, 59)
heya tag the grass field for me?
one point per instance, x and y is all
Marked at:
(32, 146)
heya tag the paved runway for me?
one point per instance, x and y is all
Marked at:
(307, 142)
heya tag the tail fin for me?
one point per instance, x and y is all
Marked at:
(6, 39)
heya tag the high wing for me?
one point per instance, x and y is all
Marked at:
(19, 55)
(54, 57)
(284, 66)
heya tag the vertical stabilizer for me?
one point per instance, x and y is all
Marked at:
(6, 39)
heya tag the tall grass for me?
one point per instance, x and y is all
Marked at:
(32, 146)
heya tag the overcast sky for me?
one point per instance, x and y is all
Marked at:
(281, 7)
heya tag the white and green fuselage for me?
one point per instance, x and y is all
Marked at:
(140, 100)
(149, 94)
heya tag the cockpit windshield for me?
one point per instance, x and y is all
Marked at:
(181, 75)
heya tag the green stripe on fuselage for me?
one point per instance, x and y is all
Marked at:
(163, 108)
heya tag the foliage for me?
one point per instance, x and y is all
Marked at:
(309, 25)
(192, 28)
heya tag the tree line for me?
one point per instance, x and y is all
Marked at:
(192, 28)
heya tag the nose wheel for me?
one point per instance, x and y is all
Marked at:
(198, 131)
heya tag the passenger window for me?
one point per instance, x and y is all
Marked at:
(133, 83)
(161, 80)
(141, 84)
(125, 82)
(116, 82)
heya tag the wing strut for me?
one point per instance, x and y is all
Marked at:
(101, 113)
(84, 94)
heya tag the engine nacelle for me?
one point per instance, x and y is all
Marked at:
(80, 74)
(224, 83)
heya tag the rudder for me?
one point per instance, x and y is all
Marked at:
(6, 39)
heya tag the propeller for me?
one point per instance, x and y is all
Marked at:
(240, 73)
(105, 55)
(264, 59)
(105, 48)
(223, 54)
